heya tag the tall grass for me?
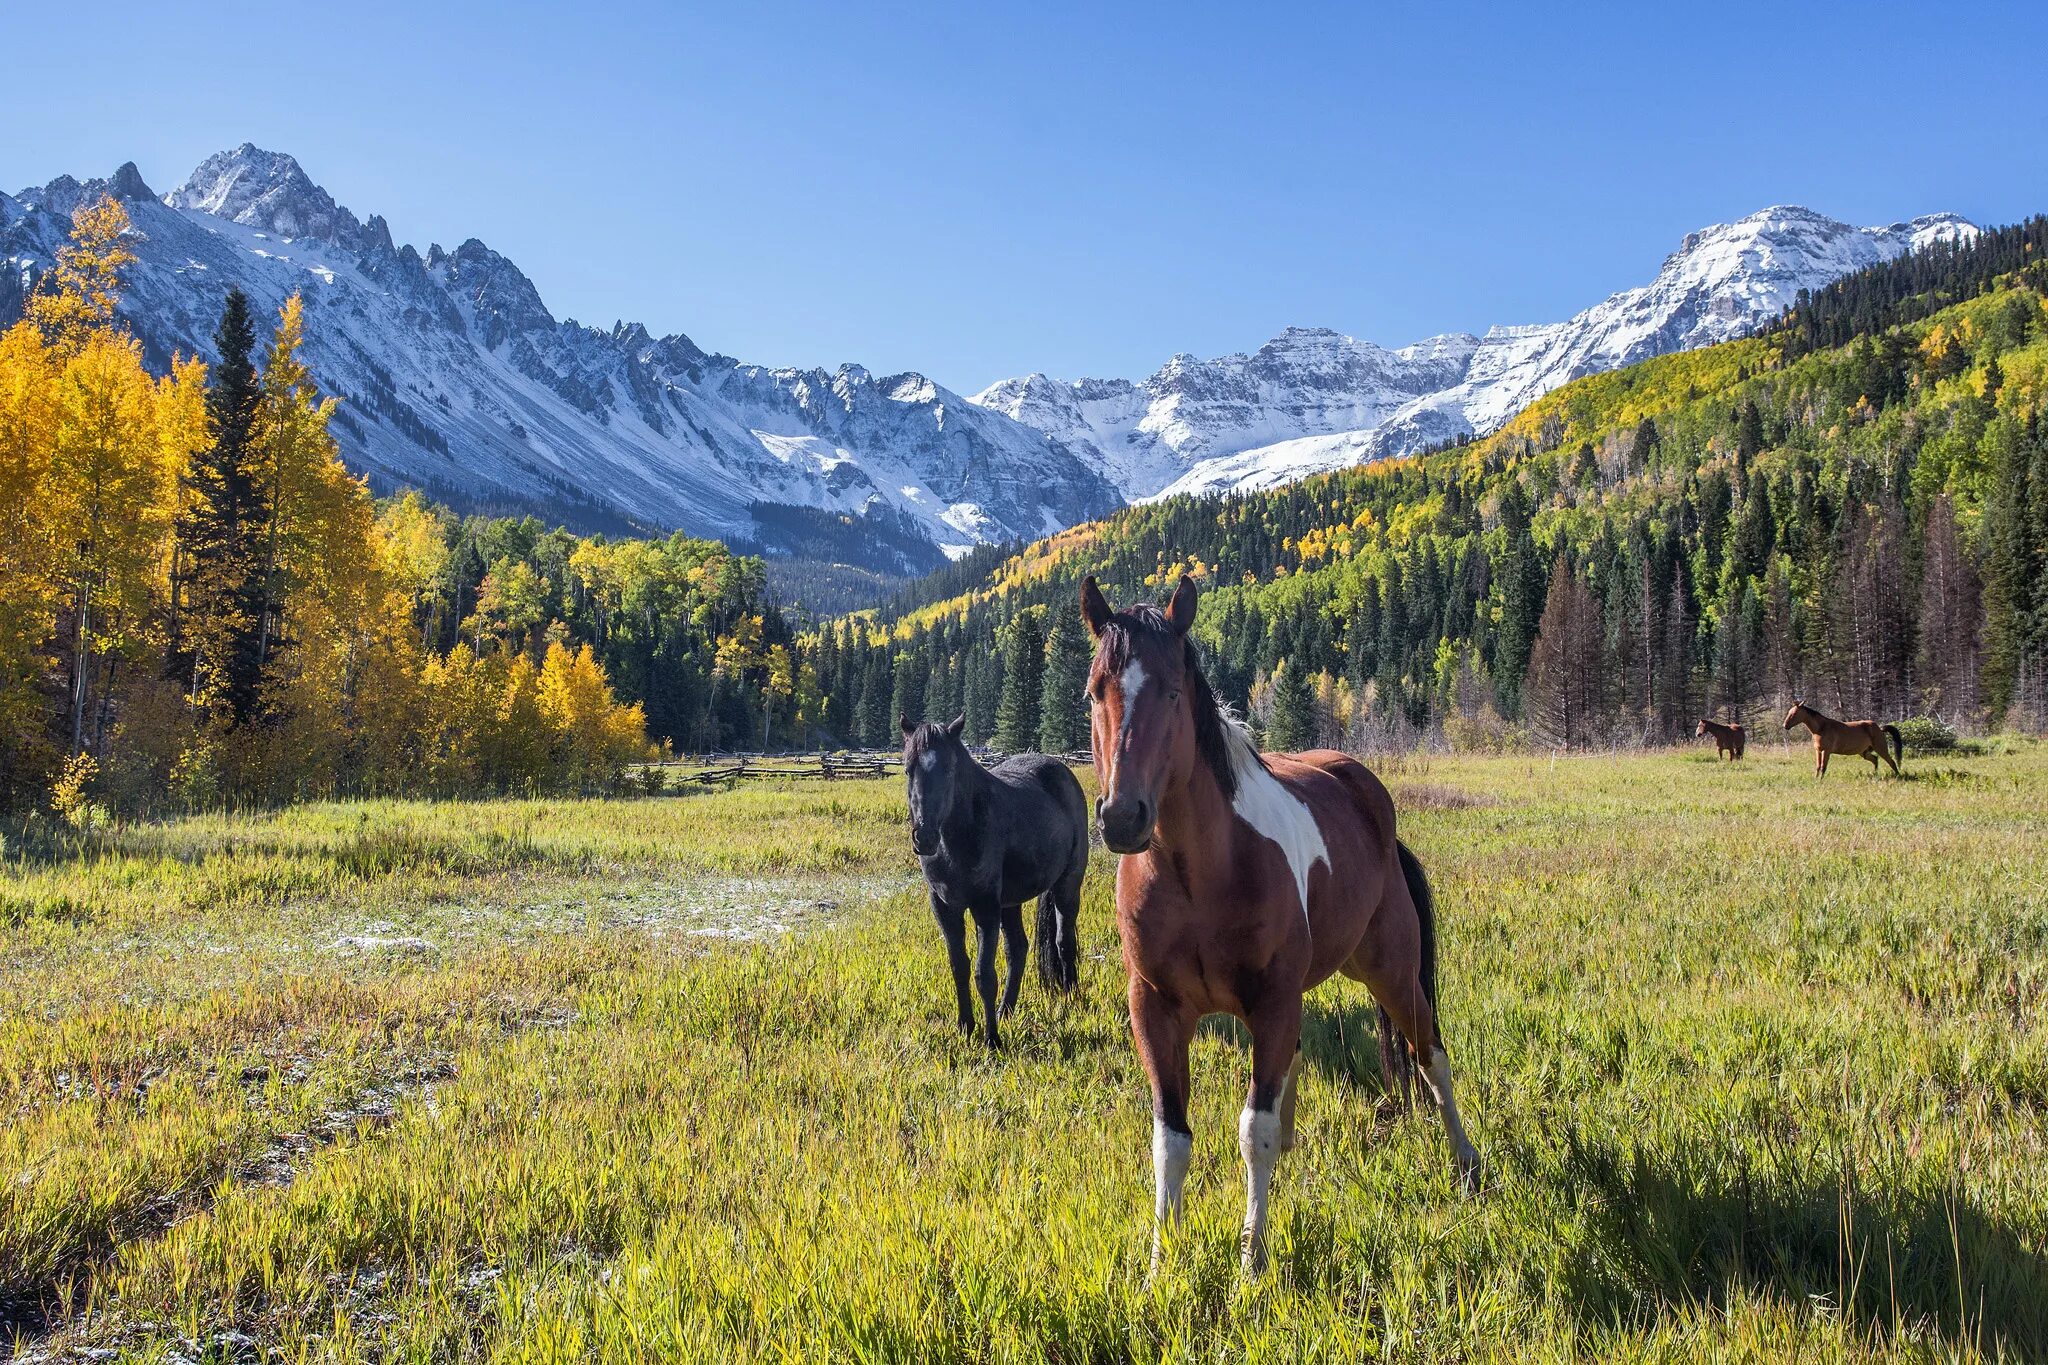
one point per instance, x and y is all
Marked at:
(1758, 1065)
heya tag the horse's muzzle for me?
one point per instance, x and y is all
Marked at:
(923, 845)
(1126, 823)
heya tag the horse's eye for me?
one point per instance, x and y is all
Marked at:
(1173, 695)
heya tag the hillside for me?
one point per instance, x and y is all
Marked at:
(1863, 523)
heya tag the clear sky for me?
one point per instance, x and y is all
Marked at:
(978, 192)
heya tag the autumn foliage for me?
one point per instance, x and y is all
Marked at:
(200, 605)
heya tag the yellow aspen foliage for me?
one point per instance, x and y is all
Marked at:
(106, 486)
(28, 575)
(77, 300)
(98, 460)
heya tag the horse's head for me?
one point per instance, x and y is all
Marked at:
(1700, 730)
(1142, 700)
(932, 755)
(1796, 715)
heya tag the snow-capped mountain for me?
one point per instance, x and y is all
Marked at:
(1312, 399)
(455, 378)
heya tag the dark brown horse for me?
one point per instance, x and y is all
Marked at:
(1245, 880)
(1728, 739)
(1852, 737)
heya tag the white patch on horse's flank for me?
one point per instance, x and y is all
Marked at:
(1130, 680)
(1268, 807)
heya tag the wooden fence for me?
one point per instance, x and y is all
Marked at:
(714, 770)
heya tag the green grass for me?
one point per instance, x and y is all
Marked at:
(1758, 1065)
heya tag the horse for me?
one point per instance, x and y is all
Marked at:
(1729, 740)
(1851, 737)
(990, 839)
(1244, 879)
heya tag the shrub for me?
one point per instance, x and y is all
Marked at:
(1927, 735)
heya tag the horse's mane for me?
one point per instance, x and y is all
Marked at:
(1215, 725)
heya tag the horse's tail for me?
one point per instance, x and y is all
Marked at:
(1898, 743)
(1059, 955)
(1397, 1062)
(1049, 955)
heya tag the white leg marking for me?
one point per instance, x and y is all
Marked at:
(1438, 1074)
(1169, 1171)
(1258, 1142)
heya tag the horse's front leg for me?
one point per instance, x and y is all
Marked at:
(1276, 1036)
(1162, 1031)
(953, 924)
(986, 921)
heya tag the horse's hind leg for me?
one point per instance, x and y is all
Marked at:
(1059, 914)
(1015, 948)
(985, 930)
(953, 924)
(1413, 1015)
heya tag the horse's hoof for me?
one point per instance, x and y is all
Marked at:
(1471, 1177)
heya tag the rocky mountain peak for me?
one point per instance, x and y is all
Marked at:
(268, 191)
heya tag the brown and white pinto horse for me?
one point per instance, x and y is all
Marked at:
(1728, 739)
(1246, 879)
(1850, 737)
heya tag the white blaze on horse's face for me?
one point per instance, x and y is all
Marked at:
(1275, 812)
(1131, 681)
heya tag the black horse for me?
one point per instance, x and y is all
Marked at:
(990, 839)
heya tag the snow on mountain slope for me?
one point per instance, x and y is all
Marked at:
(1311, 399)
(456, 379)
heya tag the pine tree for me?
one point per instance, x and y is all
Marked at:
(876, 692)
(1521, 588)
(1749, 433)
(1291, 725)
(220, 537)
(1951, 619)
(1063, 707)
(1643, 446)
(1017, 711)
(1567, 687)
(906, 698)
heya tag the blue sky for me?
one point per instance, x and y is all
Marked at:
(976, 192)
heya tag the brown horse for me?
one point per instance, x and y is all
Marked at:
(1728, 739)
(1246, 879)
(1831, 736)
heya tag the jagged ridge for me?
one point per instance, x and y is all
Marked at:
(457, 379)
(1312, 399)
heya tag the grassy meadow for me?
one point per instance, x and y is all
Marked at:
(1758, 1064)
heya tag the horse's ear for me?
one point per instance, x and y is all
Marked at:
(908, 728)
(1094, 606)
(956, 725)
(1180, 612)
